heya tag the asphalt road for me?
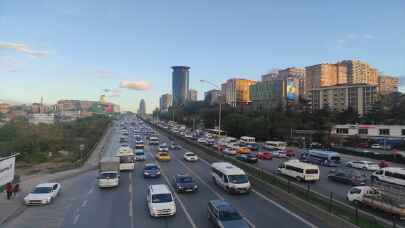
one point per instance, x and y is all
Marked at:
(82, 204)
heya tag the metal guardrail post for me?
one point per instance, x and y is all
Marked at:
(330, 202)
(356, 218)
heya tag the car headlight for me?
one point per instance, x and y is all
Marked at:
(146, 173)
(195, 186)
(45, 201)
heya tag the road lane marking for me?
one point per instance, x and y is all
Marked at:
(76, 219)
(90, 191)
(84, 203)
(285, 209)
(131, 199)
(189, 218)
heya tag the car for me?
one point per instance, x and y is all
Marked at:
(163, 147)
(223, 214)
(376, 146)
(383, 164)
(364, 165)
(140, 155)
(202, 140)
(151, 170)
(175, 146)
(289, 152)
(163, 156)
(244, 150)
(43, 194)
(160, 201)
(230, 151)
(253, 146)
(277, 153)
(264, 155)
(347, 176)
(190, 156)
(184, 183)
(250, 158)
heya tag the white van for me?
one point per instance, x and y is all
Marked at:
(247, 139)
(392, 175)
(275, 144)
(299, 170)
(160, 201)
(230, 177)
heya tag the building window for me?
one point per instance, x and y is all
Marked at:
(363, 131)
(384, 131)
(342, 131)
(403, 131)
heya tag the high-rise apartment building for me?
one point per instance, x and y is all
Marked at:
(325, 74)
(237, 91)
(192, 95)
(165, 102)
(212, 96)
(359, 72)
(267, 95)
(180, 84)
(387, 84)
(142, 108)
(358, 97)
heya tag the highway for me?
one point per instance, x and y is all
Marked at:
(82, 204)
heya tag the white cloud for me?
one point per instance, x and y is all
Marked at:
(136, 85)
(22, 48)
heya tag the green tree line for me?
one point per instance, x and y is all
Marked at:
(34, 142)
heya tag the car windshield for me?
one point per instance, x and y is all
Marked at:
(190, 155)
(162, 198)
(311, 171)
(108, 175)
(42, 190)
(152, 167)
(229, 214)
(185, 179)
(238, 179)
(126, 159)
(139, 153)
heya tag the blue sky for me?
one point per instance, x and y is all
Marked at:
(74, 49)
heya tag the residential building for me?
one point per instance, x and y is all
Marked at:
(237, 91)
(142, 108)
(370, 131)
(43, 118)
(192, 95)
(359, 72)
(212, 96)
(358, 97)
(387, 84)
(297, 75)
(274, 74)
(267, 95)
(165, 102)
(4, 107)
(12, 115)
(103, 99)
(180, 84)
(325, 74)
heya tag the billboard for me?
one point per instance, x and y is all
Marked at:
(292, 90)
(7, 169)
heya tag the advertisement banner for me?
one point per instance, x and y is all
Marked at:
(7, 170)
(292, 90)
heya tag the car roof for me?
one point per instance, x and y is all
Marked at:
(44, 185)
(159, 189)
(183, 175)
(150, 164)
(222, 205)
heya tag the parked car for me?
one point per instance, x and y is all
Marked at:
(347, 176)
(264, 155)
(364, 165)
(224, 215)
(151, 170)
(43, 194)
(184, 183)
(250, 158)
(190, 156)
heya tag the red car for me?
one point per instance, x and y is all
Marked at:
(265, 155)
(383, 164)
(289, 152)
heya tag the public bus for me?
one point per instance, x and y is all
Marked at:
(275, 144)
(321, 157)
(301, 171)
(127, 158)
(247, 140)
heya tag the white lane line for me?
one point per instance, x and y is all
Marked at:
(189, 218)
(90, 191)
(76, 219)
(84, 203)
(131, 199)
(285, 209)
(130, 209)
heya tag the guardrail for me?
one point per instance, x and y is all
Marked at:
(328, 204)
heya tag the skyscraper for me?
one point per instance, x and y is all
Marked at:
(192, 95)
(142, 108)
(180, 84)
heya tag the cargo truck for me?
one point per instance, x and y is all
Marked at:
(109, 175)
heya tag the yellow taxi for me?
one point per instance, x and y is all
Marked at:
(243, 150)
(163, 156)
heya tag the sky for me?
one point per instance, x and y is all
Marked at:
(80, 49)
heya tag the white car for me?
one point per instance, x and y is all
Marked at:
(43, 194)
(365, 165)
(160, 201)
(202, 140)
(190, 156)
(230, 151)
(376, 146)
